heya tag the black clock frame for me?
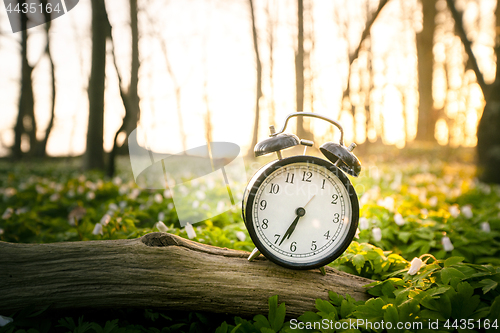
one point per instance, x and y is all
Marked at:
(249, 198)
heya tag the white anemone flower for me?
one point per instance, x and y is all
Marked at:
(363, 223)
(161, 226)
(112, 206)
(454, 211)
(190, 231)
(170, 206)
(398, 218)
(97, 229)
(161, 216)
(377, 234)
(8, 213)
(447, 245)
(158, 198)
(105, 219)
(241, 236)
(467, 211)
(485, 226)
(5, 320)
(433, 201)
(90, 196)
(416, 263)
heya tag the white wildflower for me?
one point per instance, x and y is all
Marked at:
(454, 211)
(433, 201)
(220, 206)
(161, 226)
(71, 193)
(424, 212)
(134, 194)
(123, 204)
(195, 204)
(80, 189)
(105, 219)
(183, 189)
(91, 186)
(97, 229)
(90, 196)
(113, 207)
(363, 223)
(167, 194)
(81, 178)
(364, 199)
(158, 198)
(357, 234)
(8, 213)
(398, 218)
(467, 211)
(413, 190)
(200, 195)
(377, 234)
(387, 203)
(117, 181)
(161, 216)
(1, 231)
(416, 263)
(5, 320)
(422, 197)
(205, 207)
(447, 245)
(241, 236)
(170, 206)
(22, 210)
(485, 226)
(190, 231)
(40, 189)
(54, 197)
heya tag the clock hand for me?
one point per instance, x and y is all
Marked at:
(300, 212)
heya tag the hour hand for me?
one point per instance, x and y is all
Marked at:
(300, 212)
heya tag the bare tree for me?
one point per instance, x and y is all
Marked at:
(258, 93)
(25, 123)
(129, 96)
(488, 135)
(94, 155)
(299, 70)
(425, 42)
(271, 32)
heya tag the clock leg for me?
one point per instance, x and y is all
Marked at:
(322, 270)
(255, 253)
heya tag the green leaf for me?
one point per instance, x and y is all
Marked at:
(261, 321)
(222, 328)
(391, 314)
(464, 301)
(372, 309)
(358, 261)
(429, 314)
(404, 236)
(448, 273)
(453, 261)
(346, 308)
(276, 313)
(309, 316)
(325, 306)
(495, 309)
(335, 298)
(488, 285)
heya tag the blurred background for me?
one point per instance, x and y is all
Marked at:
(393, 72)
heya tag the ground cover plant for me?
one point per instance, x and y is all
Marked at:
(429, 234)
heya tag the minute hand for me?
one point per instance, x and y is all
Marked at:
(288, 233)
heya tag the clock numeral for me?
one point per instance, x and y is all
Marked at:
(288, 177)
(293, 246)
(265, 223)
(335, 197)
(263, 204)
(307, 176)
(313, 246)
(277, 238)
(327, 235)
(336, 218)
(323, 186)
(275, 188)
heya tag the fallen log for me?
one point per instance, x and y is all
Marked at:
(158, 270)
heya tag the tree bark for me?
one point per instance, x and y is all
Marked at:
(258, 93)
(158, 270)
(299, 70)
(94, 156)
(425, 41)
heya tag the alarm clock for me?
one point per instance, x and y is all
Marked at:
(302, 211)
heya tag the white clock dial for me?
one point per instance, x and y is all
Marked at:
(302, 212)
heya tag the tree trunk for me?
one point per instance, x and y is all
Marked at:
(94, 156)
(299, 69)
(258, 93)
(425, 42)
(26, 101)
(158, 271)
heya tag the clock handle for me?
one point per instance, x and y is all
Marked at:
(314, 115)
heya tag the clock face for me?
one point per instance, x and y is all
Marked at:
(301, 212)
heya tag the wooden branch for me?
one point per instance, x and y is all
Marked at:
(459, 27)
(158, 270)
